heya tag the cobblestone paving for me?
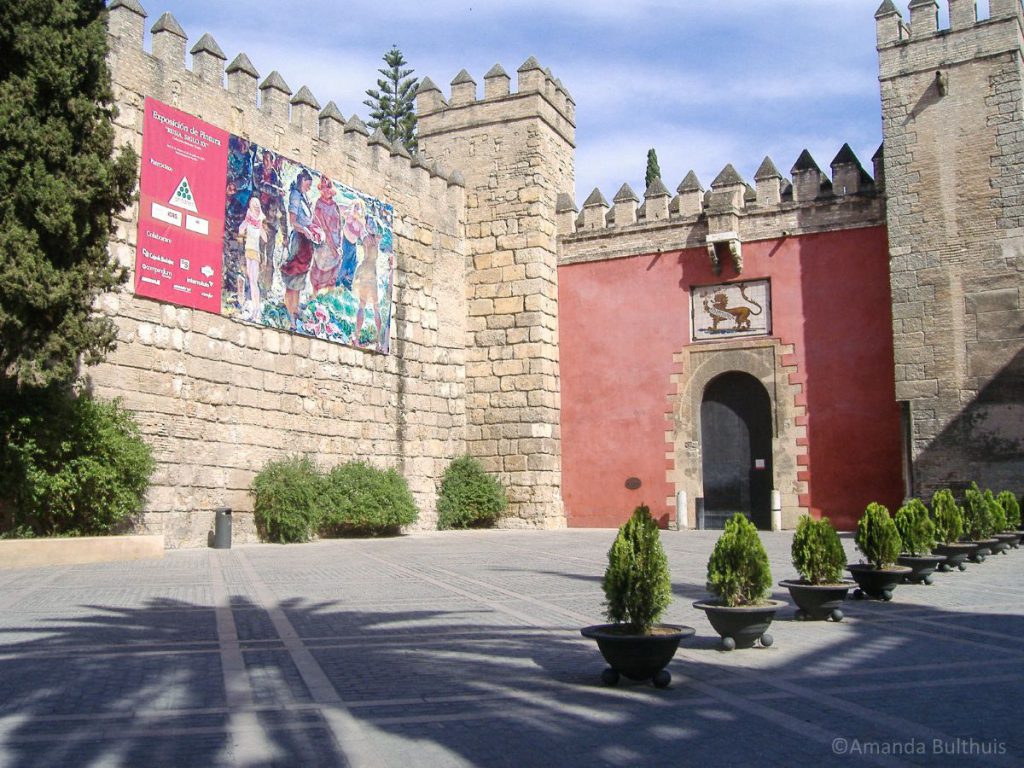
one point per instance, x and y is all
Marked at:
(463, 649)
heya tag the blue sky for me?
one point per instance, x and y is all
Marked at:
(704, 82)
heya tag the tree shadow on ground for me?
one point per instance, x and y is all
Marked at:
(145, 685)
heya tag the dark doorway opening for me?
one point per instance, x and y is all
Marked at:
(736, 448)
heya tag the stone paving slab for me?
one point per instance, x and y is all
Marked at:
(463, 649)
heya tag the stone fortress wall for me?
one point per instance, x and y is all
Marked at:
(477, 364)
(953, 121)
(217, 398)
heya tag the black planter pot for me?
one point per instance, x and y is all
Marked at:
(817, 601)
(922, 566)
(1007, 540)
(638, 657)
(956, 555)
(877, 583)
(742, 626)
(981, 549)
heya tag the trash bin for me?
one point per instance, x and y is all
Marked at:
(222, 528)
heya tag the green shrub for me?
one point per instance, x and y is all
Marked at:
(818, 553)
(289, 497)
(877, 537)
(916, 528)
(948, 516)
(1011, 508)
(996, 513)
(738, 570)
(469, 497)
(70, 464)
(636, 583)
(978, 521)
(363, 500)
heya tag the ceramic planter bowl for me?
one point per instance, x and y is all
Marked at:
(922, 566)
(818, 601)
(878, 583)
(743, 626)
(638, 657)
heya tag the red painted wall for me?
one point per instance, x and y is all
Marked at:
(621, 321)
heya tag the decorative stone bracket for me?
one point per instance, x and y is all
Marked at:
(732, 240)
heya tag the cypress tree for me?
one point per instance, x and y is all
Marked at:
(60, 183)
(392, 106)
(653, 171)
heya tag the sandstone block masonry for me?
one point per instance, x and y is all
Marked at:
(515, 151)
(216, 398)
(953, 125)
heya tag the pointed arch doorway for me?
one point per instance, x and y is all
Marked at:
(736, 449)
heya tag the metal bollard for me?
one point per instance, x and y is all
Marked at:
(222, 528)
(698, 502)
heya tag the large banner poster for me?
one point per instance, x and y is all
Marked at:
(283, 245)
(181, 209)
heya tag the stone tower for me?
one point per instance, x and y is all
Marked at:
(953, 127)
(514, 151)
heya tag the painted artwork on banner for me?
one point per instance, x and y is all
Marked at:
(731, 309)
(181, 209)
(303, 252)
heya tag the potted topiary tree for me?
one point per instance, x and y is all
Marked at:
(740, 578)
(949, 528)
(819, 558)
(917, 532)
(978, 524)
(1001, 527)
(637, 591)
(1011, 507)
(879, 541)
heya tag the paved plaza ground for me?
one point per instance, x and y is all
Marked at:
(460, 649)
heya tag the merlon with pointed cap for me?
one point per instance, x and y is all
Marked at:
(206, 44)
(496, 71)
(805, 163)
(530, 63)
(727, 178)
(845, 156)
(275, 82)
(886, 9)
(331, 112)
(462, 78)
(625, 195)
(564, 202)
(690, 183)
(595, 198)
(355, 125)
(167, 23)
(767, 170)
(129, 5)
(426, 84)
(241, 63)
(656, 189)
(379, 139)
(305, 96)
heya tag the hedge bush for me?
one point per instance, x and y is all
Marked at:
(978, 521)
(636, 584)
(948, 516)
(817, 552)
(916, 528)
(70, 464)
(289, 497)
(1011, 508)
(738, 570)
(362, 500)
(469, 497)
(996, 513)
(877, 537)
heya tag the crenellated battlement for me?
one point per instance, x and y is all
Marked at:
(808, 200)
(954, 43)
(538, 92)
(296, 113)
